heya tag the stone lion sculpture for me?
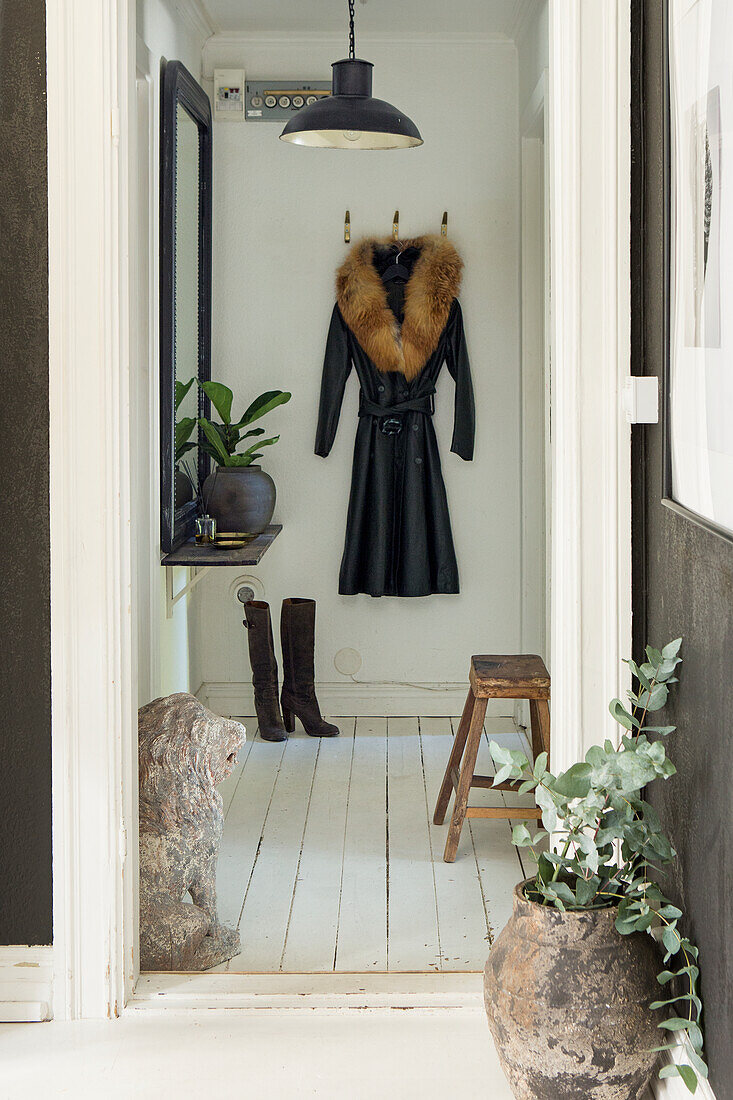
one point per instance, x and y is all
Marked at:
(184, 752)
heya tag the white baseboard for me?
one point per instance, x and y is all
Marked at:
(346, 699)
(26, 984)
(674, 1088)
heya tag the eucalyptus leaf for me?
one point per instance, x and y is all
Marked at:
(540, 765)
(575, 782)
(596, 814)
(654, 699)
(621, 714)
(685, 1072)
(521, 836)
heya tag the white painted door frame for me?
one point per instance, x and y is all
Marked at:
(91, 46)
(590, 341)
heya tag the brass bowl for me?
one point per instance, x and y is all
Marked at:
(232, 540)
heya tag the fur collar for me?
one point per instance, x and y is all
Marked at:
(429, 294)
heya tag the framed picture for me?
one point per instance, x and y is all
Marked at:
(698, 422)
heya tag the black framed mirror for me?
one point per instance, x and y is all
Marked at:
(185, 294)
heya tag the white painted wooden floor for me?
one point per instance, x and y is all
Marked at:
(350, 1055)
(330, 860)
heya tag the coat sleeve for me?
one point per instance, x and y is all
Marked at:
(336, 369)
(464, 419)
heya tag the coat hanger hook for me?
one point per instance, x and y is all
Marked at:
(444, 224)
(396, 225)
(347, 227)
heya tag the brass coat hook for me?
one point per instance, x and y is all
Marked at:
(347, 227)
(444, 224)
(396, 225)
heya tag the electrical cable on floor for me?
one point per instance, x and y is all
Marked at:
(401, 683)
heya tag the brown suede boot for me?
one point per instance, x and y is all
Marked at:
(264, 670)
(298, 634)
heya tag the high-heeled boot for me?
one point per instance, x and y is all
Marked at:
(264, 670)
(297, 634)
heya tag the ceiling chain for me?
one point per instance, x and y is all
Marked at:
(352, 40)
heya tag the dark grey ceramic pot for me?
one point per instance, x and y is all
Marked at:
(240, 498)
(568, 999)
(183, 489)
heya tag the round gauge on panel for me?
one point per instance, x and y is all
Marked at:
(256, 101)
(284, 101)
(298, 101)
(270, 101)
(311, 99)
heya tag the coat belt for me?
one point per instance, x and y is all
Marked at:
(425, 405)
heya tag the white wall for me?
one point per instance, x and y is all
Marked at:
(164, 659)
(278, 238)
(533, 62)
(533, 51)
(173, 31)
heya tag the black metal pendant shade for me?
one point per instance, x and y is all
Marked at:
(350, 118)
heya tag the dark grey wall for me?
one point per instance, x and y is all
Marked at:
(25, 666)
(683, 585)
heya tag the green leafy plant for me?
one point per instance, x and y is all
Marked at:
(610, 845)
(221, 440)
(184, 426)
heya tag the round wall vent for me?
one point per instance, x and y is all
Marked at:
(347, 662)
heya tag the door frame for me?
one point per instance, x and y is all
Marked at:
(91, 44)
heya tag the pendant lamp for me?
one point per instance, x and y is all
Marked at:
(350, 118)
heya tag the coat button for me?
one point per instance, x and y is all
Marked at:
(380, 389)
(418, 462)
(415, 427)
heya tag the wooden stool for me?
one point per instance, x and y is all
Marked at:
(522, 676)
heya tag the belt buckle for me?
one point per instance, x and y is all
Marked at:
(390, 425)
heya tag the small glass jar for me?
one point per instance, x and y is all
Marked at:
(205, 530)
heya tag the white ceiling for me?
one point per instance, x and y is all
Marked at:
(372, 16)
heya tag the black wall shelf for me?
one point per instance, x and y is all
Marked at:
(251, 554)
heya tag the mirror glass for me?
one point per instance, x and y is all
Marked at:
(186, 298)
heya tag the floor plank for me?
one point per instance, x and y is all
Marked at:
(362, 931)
(462, 923)
(497, 859)
(413, 942)
(243, 827)
(229, 785)
(330, 857)
(267, 903)
(312, 932)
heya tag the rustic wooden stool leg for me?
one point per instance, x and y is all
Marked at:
(454, 760)
(534, 721)
(543, 714)
(475, 732)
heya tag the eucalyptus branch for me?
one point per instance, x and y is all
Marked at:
(611, 837)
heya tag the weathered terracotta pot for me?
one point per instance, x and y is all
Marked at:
(568, 999)
(240, 498)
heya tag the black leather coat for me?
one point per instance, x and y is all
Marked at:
(398, 532)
